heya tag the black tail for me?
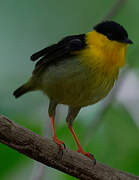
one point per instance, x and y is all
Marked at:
(22, 90)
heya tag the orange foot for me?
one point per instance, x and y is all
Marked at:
(87, 154)
(59, 143)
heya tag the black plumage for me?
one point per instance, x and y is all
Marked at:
(57, 52)
(113, 31)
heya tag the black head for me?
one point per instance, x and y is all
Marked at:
(113, 31)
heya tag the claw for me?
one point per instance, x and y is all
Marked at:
(80, 149)
(89, 155)
(59, 143)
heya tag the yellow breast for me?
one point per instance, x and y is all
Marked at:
(102, 52)
(90, 76)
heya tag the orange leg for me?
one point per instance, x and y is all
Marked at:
(80, 149)
(55, 139)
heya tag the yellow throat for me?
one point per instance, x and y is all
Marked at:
(104, 52)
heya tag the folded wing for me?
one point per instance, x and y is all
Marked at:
(57, 52)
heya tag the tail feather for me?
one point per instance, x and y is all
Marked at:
(22, 90)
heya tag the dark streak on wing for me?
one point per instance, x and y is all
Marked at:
(42, 52)
(60, 51)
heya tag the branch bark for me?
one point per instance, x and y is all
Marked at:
(47, 152)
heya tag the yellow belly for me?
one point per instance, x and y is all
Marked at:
(74, 84)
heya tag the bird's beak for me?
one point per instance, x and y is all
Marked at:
(128, 41)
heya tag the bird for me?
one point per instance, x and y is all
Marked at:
(78, 71)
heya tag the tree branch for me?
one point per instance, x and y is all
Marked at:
(47, 152)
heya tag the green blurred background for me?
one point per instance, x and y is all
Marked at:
(27, 26)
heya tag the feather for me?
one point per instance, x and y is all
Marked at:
(57, 52)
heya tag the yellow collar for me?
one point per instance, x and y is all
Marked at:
(106, 52)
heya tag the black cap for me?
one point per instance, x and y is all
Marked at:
(113, 31)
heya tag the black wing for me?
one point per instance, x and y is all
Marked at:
(60, 51)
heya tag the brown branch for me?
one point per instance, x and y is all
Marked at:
(47, 152)
(39, 170)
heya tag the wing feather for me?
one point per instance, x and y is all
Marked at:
(57, 52)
